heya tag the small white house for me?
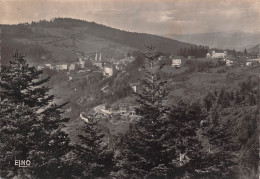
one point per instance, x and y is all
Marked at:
(72, 67)
(62, 67)
(108, 71)
(49, 66)
(40, 67)
(176, 63)
(248, 63)
(134, 87)
(132, 113)
(229, 62)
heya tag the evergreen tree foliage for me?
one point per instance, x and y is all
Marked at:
(220, 160)
(184, 122)
(245, 52)
(223, 99)
(94, 156)
(245, 95)
(196, 51)
(30, 125)
(145, 153)
(152, 94)
(209, 101)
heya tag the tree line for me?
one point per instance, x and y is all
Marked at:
(196, 51)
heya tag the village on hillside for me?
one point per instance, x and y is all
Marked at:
(108, 66)
(132, 89)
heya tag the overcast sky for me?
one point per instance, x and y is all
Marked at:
(149, 16)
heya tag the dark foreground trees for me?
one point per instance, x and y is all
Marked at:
(220, 160)
(183, 141)
(30, 125)
(93, 154)
(144, 153)
(163, 142)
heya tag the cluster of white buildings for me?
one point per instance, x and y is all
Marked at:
(57, 67)
(121, 64)
(107, 70)
(175, 61)
(70, 67)
(217, 54)
(62, 67)
(249, 62)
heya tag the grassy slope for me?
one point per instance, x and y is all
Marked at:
(194, 87)
(190, 86)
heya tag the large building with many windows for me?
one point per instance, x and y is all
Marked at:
(218, 54)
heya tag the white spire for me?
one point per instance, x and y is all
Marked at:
(100, 57)
(96, 57)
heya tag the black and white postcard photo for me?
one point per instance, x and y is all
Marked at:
(129, 89)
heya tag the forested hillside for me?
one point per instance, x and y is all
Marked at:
(60, 39)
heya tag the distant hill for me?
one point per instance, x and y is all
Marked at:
(222, 40)
(254, 49)
(64, 37)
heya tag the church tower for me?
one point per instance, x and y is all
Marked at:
(100, 57)
(96, 57)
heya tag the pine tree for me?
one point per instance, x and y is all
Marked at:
(196, 161)
(238, 98)
(220, 160)
(209, 101)
(185, 120)
(145, 152)
(223, 99)
(245, 52)
(94, 156)
(30, 127)
(152, 94)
